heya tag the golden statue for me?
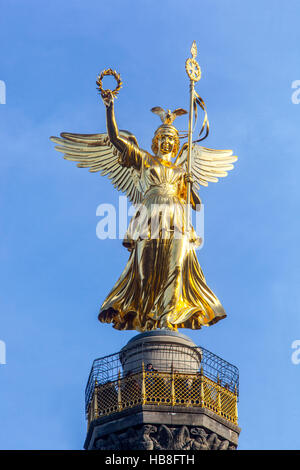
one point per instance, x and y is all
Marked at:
(162, 285)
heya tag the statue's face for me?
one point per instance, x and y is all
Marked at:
(166, 143)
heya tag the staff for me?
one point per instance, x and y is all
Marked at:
(194, 72)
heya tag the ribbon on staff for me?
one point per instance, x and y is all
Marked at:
(198, 101)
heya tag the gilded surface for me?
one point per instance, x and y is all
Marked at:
(162, 285)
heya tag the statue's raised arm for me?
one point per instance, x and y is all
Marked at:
(115, 153)
(125, 142)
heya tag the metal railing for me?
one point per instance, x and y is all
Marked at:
(162, 389)
(109, 369)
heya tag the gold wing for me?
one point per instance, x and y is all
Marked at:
(208, 165)
(96, 152)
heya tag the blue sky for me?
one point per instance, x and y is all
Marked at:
(55, 273)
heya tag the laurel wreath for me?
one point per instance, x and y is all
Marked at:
(116, 76)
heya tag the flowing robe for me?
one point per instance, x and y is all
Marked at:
(162, 285)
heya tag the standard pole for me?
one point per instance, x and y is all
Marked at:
(189, 157)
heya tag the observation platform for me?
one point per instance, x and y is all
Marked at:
(161, 391)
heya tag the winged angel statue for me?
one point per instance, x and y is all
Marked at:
(162, 285)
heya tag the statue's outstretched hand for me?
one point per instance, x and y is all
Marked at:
(107, 97)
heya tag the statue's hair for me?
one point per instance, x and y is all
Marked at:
(165, 129)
